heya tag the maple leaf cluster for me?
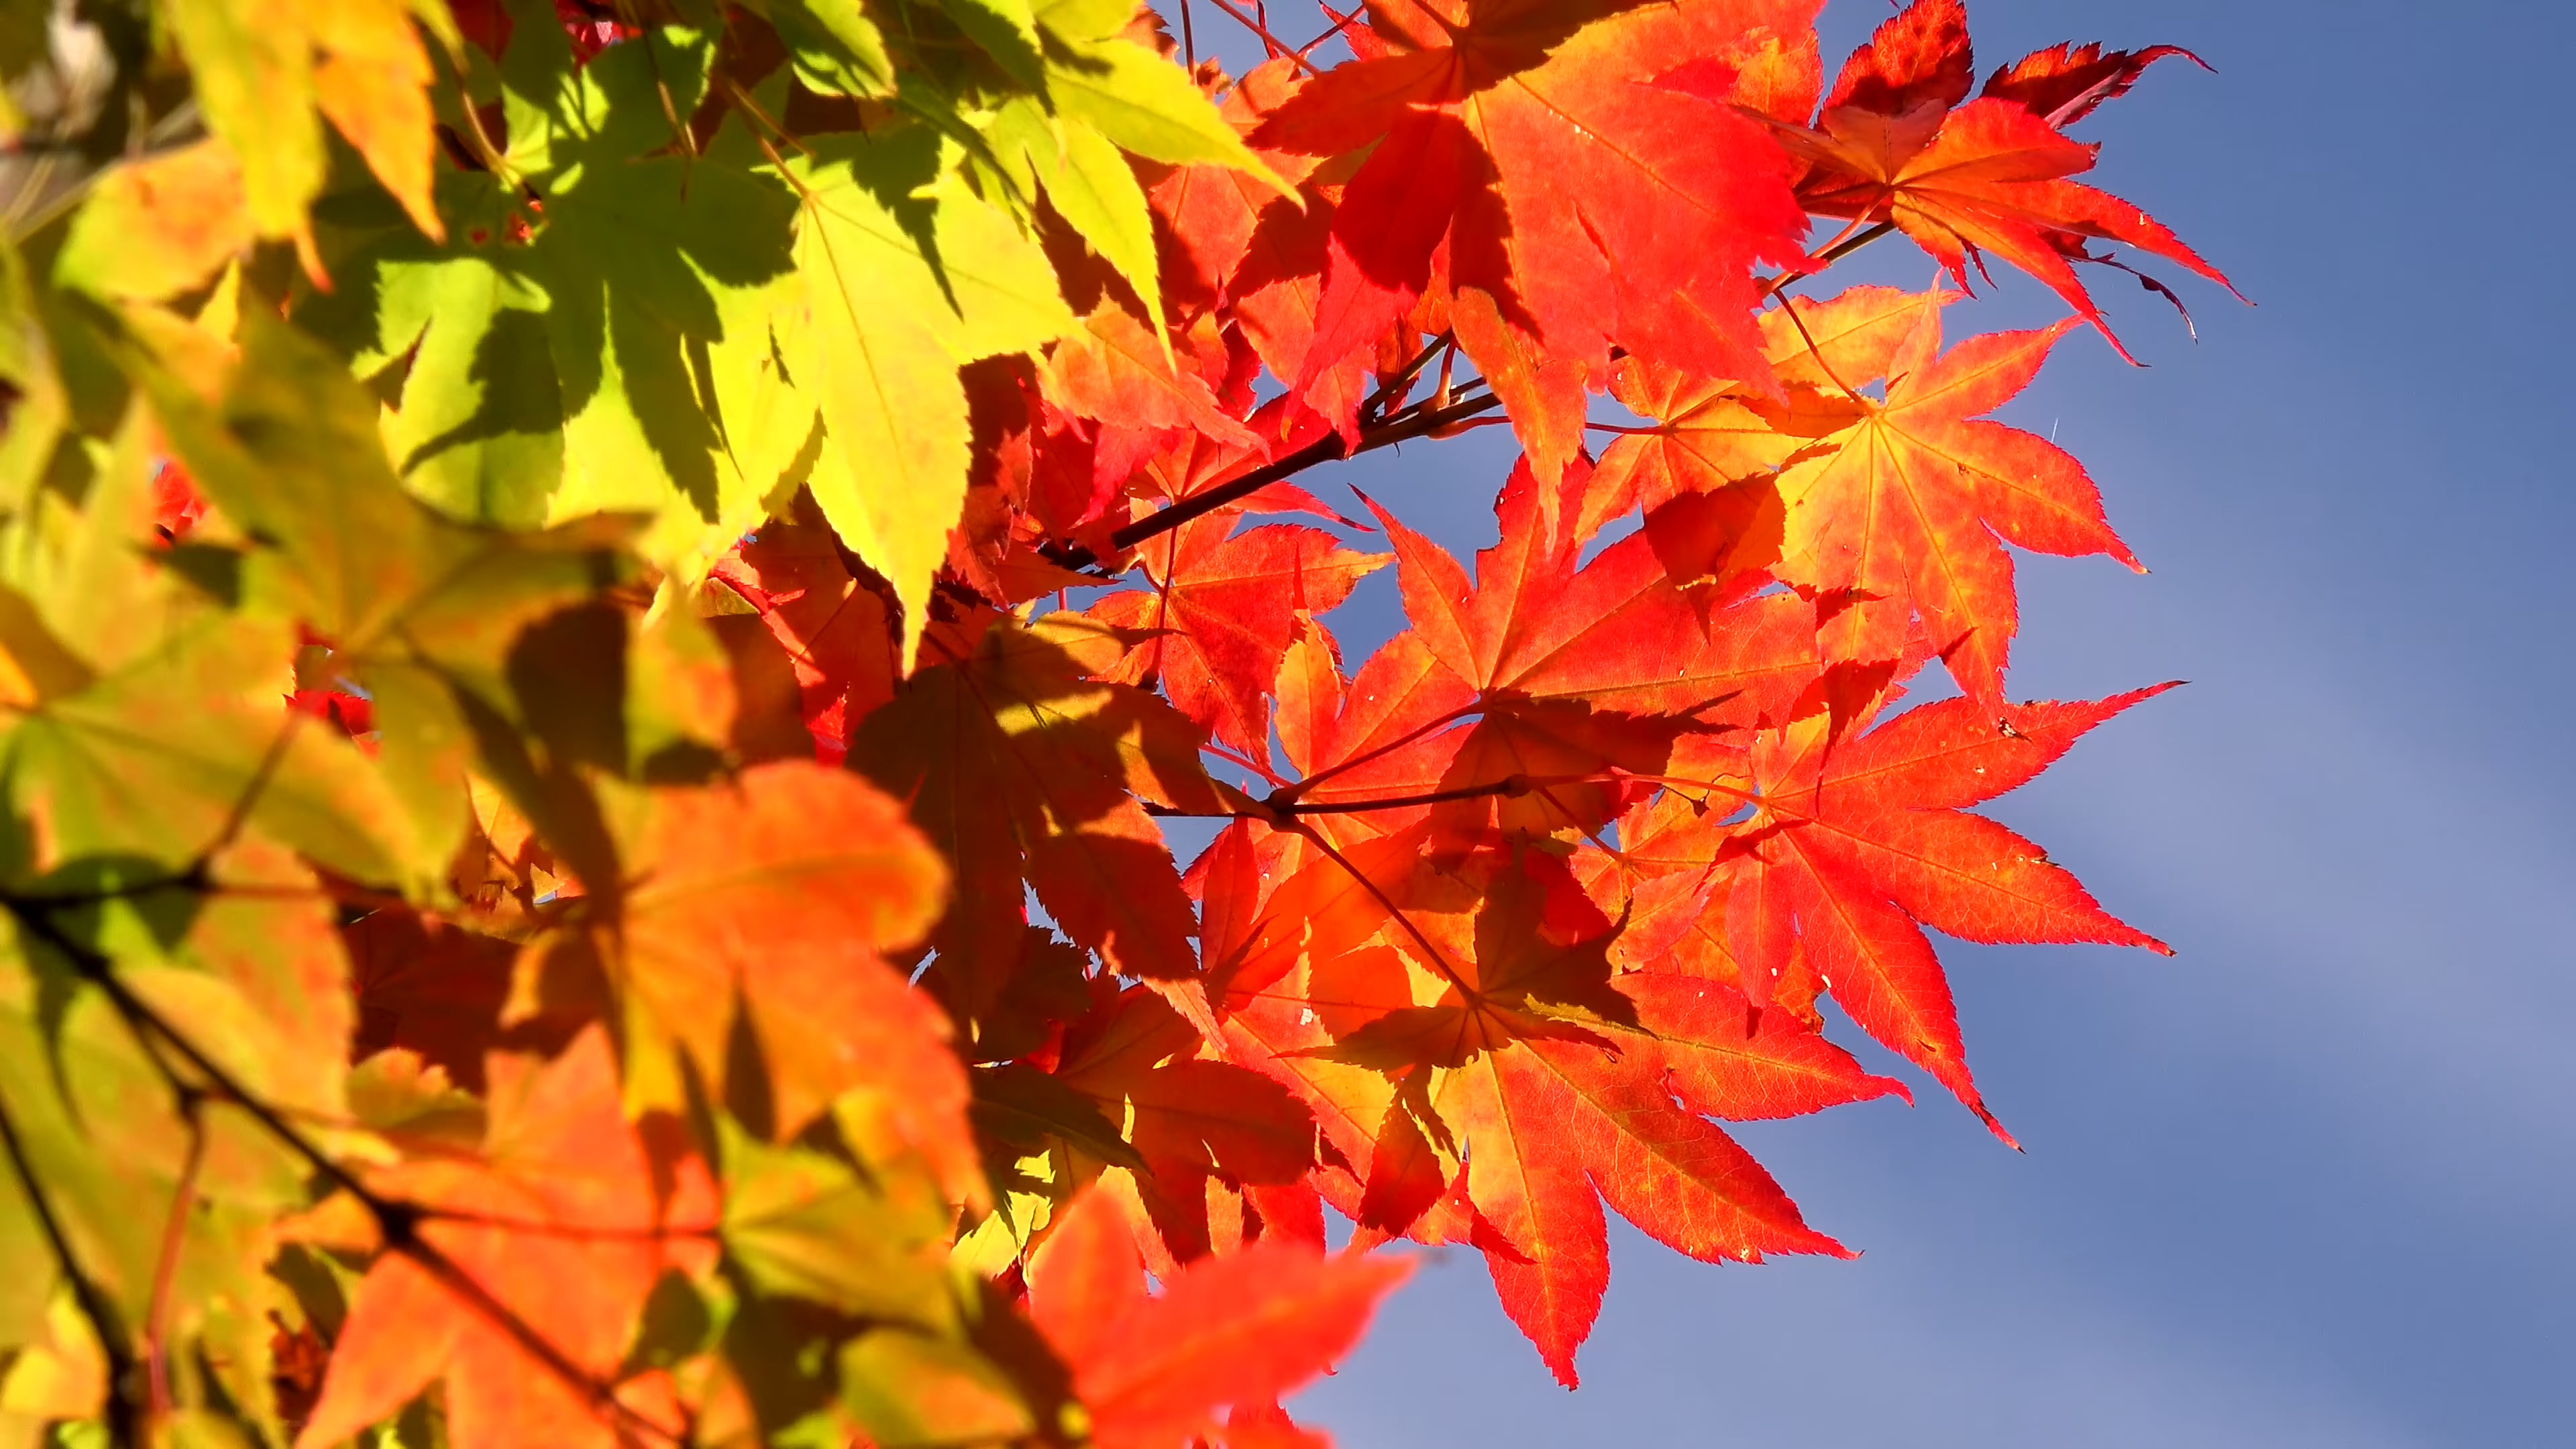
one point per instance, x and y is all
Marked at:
(604, 609)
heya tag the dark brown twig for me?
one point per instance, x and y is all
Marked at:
(1405, 426)
(1275, 809)
(1826, 258)
(123, 1423)
(399, 1223)
(1276, 45)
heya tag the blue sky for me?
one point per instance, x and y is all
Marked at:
(2307, 1182)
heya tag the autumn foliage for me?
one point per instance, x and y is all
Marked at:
(603, 609)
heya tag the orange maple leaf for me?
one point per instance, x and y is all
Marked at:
(1894, 510)
(546, 1245)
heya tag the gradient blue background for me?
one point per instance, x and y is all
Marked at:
(2309, 1181)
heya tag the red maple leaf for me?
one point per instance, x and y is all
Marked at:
(1558, 1090)
(1986, 177)
(1892, 506)
(1189, 1118)
(833, 626)
(1578, 671)
(1578, 204)
(2064, 83)
(1220, 614)
(1241, 1330)
(1025, 1132)
(1019, 764)
(1851, 848)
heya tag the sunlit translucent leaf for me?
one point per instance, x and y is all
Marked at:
(110, 1144)
(1092, 187)
(835, 46)
(261, 69)
(102, 771)
(1239, 1329)
(914, 1391)
(479, 434)
(159, 225)
(1144, 104)
(562, 1196)
(803, 1223)
(549, 550)
(905, 279)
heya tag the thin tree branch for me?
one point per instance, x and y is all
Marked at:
(1821, 260)
(1741, 795)
(1403, 427)
(679, 124)
(1162, 603)
(239, 815)
(1340, 24)
(1509, 785)
(1288, 795)
(1850, 228)
(575, 1232)
(1542, 789)
(477, 141)
(1789, 308)
(1275, 810)
(1431, 951)
(1394, 388)
(1276, 45)
(399, 1223)
(1421, 420)
(1241, 761)
(123, 1424)
(743, 101)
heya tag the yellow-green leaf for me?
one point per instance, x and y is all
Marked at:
(254, 79)
(883, 340)
(801, 1223)
(158, 226)
(1093, 188)
(479, 434)
(1149, 106)
(371, 77)
(912, 1391)
(1007, 30)
(98, 1124)
(112, 770)
(261, 68)
(835, 47)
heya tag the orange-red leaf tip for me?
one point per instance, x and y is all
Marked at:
(1994, 1125)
